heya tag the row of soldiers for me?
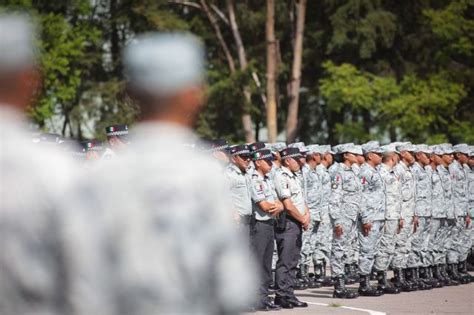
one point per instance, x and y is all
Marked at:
(362, 209)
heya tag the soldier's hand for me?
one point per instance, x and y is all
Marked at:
(416, 223)
(401, 222)
(305, 226)
(468, 221)
(338, 230)
(366, 227)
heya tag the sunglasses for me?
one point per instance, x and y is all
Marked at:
(245, 157)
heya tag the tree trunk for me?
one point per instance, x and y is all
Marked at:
(246, 117)
(292, 119)
(215, 25)
(271, 72)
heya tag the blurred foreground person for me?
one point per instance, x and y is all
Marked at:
(167, 242)
(33, 272)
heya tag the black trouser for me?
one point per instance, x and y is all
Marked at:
(289, 248)
(262, 240)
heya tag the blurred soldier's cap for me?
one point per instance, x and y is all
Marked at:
(447, 148)
(372, 146)
(437, 149)
(291, 152)
(300, 146)
(406, 147)
(390, 148)
(471, 150)
(240, 149)
(349, 148)
(92, 145)
(326, 148)
(17, 42)
(313, 148)
(277, 146)
(73, 148)
(263, 154)
(164, 63)
(461, 148)
(424, 148)
(117, 131)
(256, 146)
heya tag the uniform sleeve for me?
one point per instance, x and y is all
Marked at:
(336, 198)
(314, 195)
(282, 186)
(366, 207)
(257, 190)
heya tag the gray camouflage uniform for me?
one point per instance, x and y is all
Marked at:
(448, 204)
(386, 249)
(323, 237)
(439, 229)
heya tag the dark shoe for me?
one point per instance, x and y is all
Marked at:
(422, 285)
(385, 285)
(462, 270)
(427, 277)
(340, 290)
(448, 280)
(354, 270)
(300, 284)
(297, 303)
(348, 276)
(400, 282)
(454, 274)
(410, 278)
(283, 302)
(365, 289)
(267, 305)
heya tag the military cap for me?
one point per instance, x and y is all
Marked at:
(116, 130)
(18, 42)
(313, 148)
(461, 148)
(326, 148)
(219, 145)
(424, 148)
(256, 146)
(291, 152)
(406, 147)
(447, 148)
(277, 146)
(349, 148)
(372, 146)
(300, 146)
(92, 145)
(437, 149)
(471, 150)
(240, 149)
(48, 138)
(389, 148)
(358, 148)
(73, 148)
(164, 63)
(263, 154)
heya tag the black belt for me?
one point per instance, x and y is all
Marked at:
(268, 222)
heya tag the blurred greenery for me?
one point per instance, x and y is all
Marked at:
(372, 69)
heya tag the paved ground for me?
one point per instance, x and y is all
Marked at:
(447, 300)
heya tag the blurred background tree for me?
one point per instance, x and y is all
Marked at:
(371, 69)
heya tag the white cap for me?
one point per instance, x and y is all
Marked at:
(349, 148)
(300, 146)
(164, 63)
(17, 42)
(372, 146)
(461, 148)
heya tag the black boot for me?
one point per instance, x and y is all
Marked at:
(400, 282)
(385, 285)
(300, 283)
(327, 281)
(318, 272)
(340, 290)
(348, 275)
(422, 285)
(454, 273)
(373, 275)
(409, 278)
(310, 281)
(365, 289)
(426, 273)
(462, 269)
(448, 280)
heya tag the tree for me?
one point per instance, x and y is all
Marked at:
(271, 72)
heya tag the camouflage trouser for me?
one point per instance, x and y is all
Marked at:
(386, 249)
(403, 244)
(322, 242)
(438, 236)
(307, 249)
(352, 256)
(458, 243)
(368, 245)
(341, 247)
(420, 255)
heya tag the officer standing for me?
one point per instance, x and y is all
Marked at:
(458, 170)
(393, 220)
(266, 207)
(288, 232)
(344, 210)
(323, 237)
(372, 218)
(238, 178)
